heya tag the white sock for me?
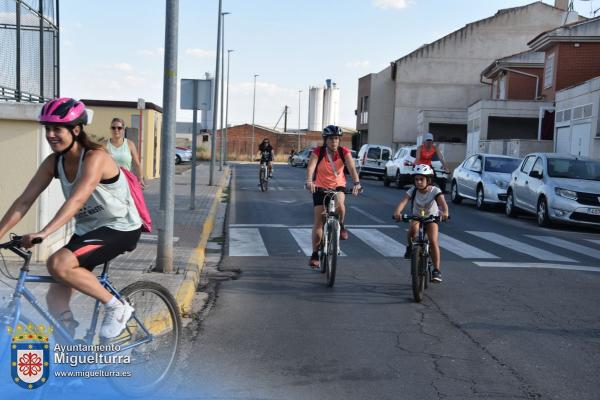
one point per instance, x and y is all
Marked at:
(112, 302)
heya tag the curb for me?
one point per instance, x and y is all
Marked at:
(187, 290)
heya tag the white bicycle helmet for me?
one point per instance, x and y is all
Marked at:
(422, 169)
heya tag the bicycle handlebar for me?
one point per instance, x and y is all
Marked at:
(331, 191)
(407, 217)
(17, 242)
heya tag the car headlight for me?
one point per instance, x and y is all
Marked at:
(501, 183)
(569, 194)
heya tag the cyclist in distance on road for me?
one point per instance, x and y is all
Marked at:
(425, 200)
(266, 155)
(427, 150)
(326, 171)
(97, 195)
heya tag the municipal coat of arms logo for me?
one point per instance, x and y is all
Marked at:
(30, 355)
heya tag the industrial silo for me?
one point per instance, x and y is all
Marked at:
(315, 108)
(331, 104)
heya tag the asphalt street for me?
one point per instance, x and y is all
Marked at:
(516, 317)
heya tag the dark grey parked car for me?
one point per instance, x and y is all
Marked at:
(483, 178)
(556, 187)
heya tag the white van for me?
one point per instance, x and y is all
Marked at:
(372, 159)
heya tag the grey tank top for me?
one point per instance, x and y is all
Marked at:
(109, 205)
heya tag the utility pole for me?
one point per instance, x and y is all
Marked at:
(285, 119)
(222, 90)
(164, 252)
(227, 102)
(299, 91)
(253, 108)
(213, 142)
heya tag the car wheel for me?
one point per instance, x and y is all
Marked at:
(399, 180)
(305, 164)
(480, 199)
(386, 179)
(177, 160)
(543, 219)
(510, 208)
(454, 196)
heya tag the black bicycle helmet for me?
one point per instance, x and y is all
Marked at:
(332, 130)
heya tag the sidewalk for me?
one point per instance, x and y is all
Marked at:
(191, 232)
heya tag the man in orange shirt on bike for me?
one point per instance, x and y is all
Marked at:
(326, 171)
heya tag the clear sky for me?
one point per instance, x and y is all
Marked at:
(113, 49)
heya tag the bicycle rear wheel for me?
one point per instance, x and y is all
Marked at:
(154, 361)
(416, 268)
(332, 253)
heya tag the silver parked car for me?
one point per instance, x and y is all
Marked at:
(300, 158)
(556, 188)
(183, 154)
(483, 178)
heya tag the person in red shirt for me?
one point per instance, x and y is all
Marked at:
(427, 150)
(326, 171)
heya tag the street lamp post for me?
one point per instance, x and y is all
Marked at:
(227, 103)
(213, 143)
(299, 92)
(253, 109)
(223, 14)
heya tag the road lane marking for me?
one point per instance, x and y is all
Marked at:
(597, 241)
(307, 226)
(265, 226)
(380, 242)
(368, 215)
(577, 248)
(246, 242)
(462, 249)
(303, 238)
(488, 264)
(520, 247)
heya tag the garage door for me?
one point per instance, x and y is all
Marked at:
(581, 134)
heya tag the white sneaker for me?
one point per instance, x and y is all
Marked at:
(115, 319)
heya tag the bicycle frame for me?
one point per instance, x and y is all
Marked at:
(21, 290)
(331, 217)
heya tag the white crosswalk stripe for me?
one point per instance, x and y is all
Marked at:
(246, 242)
(303, 238)
(518, 246)
(565, 244)
(462, 249)
(381, 242)
(493, 264)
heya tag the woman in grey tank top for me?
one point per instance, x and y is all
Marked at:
(97, 197)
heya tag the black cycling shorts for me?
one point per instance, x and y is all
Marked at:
(102, 245)
(319, 197)
(266, 159)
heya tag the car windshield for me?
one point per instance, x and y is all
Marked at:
(501, 164)
(574, 169)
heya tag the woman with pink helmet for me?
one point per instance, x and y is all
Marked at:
(97, 196)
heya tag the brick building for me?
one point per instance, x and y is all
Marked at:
(239, 140)
(572, 55)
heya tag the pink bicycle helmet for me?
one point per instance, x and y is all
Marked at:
(63, 111)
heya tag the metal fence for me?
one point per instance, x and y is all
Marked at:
(29, 52)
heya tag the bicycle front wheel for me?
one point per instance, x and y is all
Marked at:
(153, 355)
(263, 180)
(416, 268)
(332, 252)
